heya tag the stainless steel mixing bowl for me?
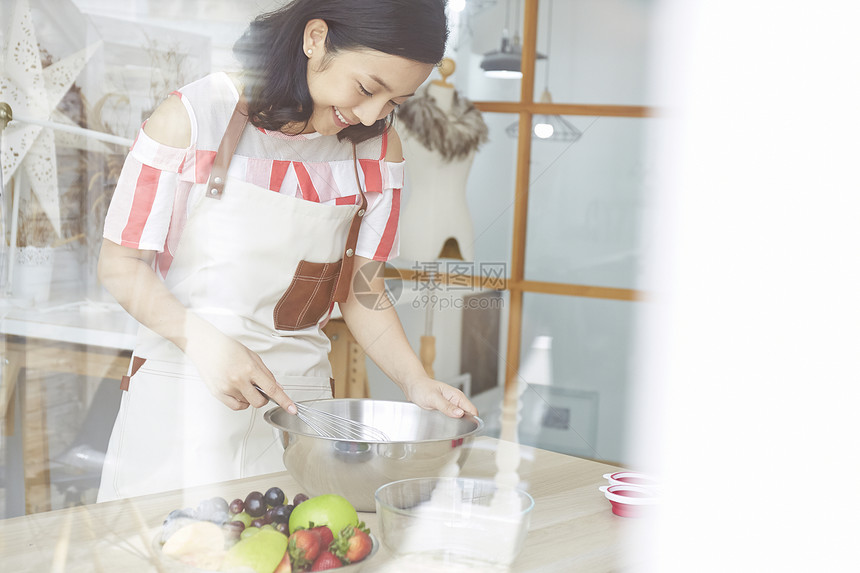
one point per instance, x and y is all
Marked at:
(423, 443)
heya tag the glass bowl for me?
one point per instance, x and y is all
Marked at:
(453, 521)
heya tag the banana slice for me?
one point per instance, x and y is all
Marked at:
(198, 539)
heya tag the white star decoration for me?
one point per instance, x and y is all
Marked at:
(34, 92)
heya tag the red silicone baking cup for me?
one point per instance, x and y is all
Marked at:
(630, 500)
(631, 478)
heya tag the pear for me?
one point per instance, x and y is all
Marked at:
(261, 552)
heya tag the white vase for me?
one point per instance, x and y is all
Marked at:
(31, 278)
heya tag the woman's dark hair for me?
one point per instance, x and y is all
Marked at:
(272, 53)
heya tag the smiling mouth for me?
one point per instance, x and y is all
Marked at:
(342, 120)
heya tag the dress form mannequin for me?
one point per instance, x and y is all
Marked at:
(441, 133)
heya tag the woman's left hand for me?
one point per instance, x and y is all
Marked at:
(432, 394)
(377, 329)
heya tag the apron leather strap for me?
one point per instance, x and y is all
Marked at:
(341, 289)
(226, 149)
(136, 363)
(218, 177)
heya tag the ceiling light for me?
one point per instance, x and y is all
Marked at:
(544, 130)
(506, 62)
(548, 127)
(457, 5)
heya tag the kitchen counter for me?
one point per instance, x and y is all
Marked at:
(572, 526)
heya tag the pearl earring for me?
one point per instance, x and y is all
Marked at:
(310, 51)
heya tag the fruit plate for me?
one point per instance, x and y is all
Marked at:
(170, 565)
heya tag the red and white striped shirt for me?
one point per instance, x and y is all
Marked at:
(158, 183)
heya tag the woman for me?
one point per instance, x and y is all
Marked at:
(245, 208)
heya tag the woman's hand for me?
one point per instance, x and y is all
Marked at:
(233, 373)
(378, 330)
(432, 394)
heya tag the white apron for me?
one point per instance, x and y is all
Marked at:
(264, 268)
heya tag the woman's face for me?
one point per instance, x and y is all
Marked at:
(358, 86)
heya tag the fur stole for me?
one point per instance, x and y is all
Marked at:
(454, 134)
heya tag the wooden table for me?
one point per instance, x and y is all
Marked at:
(572, 527)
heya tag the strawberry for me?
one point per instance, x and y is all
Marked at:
(354, 544)
(325, 533)
(326, 560)
(304, 546)
(359, 546)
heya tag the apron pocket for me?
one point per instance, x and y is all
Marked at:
(309, 296)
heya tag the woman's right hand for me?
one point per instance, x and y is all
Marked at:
(233, 373)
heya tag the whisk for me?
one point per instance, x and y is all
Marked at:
(330, 425)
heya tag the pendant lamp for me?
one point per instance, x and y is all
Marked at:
(548, 127)
(506, 62)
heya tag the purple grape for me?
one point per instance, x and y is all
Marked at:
(259, 522)
(300, 497)
(237, 506)
(283, 528)
(270, 514)
(255, 505)
(281, 514)
(274, 496)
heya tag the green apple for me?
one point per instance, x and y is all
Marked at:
(261, 552)
(328, 509)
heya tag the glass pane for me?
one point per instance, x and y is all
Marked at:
(466, 327)
(597, 51)
(65, 343)
(58, 419)
(575, 360)
(585, 203)
(433, 223)
(491, 192)
(478, 33)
